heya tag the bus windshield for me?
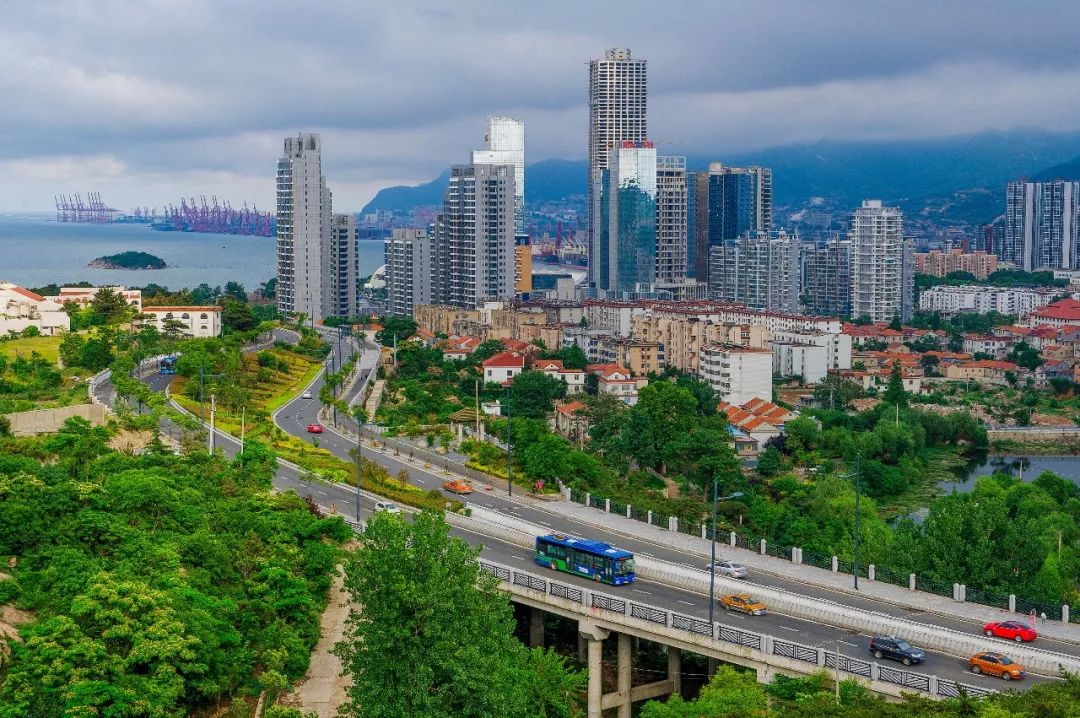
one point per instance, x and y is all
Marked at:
(624, 567)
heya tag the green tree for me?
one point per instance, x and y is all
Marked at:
(533, 394)
(895, 395)
(731, 693)
(400, 327)
(236, 291)
(110, 304)
(237, 316)
(71, 347)
(422, 593)
(769, 461)
(486, 350)
(664, 412)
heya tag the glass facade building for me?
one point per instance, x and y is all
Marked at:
(627, 250)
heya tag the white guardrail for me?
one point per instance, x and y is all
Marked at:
(759, 647)
(521, 533)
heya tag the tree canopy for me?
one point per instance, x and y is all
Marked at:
(435, 637)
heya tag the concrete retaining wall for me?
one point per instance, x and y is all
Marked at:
(48, 421)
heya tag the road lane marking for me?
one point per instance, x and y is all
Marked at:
(789, 628)
(686, 603)
(846, 643)
(638, 590)
(519, 558)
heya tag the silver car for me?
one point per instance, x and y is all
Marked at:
(731, 569)
(388, 506)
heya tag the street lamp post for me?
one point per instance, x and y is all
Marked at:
(509, 483)
(712, 563)
(858, 494)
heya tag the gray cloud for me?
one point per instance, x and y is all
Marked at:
(148, 101)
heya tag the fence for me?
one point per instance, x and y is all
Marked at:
(815, 657)
(881, 573)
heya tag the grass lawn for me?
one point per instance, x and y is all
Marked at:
(48, 347)
(272, 394)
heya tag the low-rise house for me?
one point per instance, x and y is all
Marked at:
(84, 296)
(194, 321)
(574, 378)
(618, 382)
(984, 371)
(457, 347)
(21, 309)
(758, 419)
(1053, 369)
(1063, 313)
(993, 345)
(570, 421)
(501, 368)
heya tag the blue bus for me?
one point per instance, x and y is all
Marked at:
(593, 559)
(167, 365)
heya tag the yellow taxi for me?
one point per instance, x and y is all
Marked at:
(745, 603)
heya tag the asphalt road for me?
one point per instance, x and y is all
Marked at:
(294, 417)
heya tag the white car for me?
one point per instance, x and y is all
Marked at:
(388, 506)
(306, 395)
(732, 569)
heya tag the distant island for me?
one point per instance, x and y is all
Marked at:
(128, 260)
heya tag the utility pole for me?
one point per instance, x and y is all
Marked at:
(202, 399)
(243, 416)
(712, 542)
(476, 408)
(358, 462)
(213, 408)
(858, 494)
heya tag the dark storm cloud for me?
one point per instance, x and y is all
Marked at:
(165, 97)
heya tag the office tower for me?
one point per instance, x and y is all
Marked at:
(740, 201)
(343, 265)
(410, 270)
(882, 264)
(304, 267)
(474, 236)
(1042, 225)
(826, 277)
(617, 108)
(697, 225)
(758, 269)
(505, 141)
(671, 214)
(627, 232)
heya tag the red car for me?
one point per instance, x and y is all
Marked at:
(1012, 630)
(314, 428)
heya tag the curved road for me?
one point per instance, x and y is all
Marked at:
(294, 416)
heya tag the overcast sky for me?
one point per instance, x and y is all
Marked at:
(148, 101)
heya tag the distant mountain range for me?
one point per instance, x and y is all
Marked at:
(963, 176)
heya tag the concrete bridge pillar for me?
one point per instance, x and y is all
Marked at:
(536, 628)
(624, 681)
(674, 668)
(594, 638)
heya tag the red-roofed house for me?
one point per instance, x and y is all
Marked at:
(985, 371)
(1063, 313)
(460, 347)
(21, 309)
(570, 421)
(503, 367)
(618, 382)
(574, 378)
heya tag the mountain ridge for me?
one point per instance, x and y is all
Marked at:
(842, 172)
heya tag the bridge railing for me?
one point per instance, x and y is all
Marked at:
(815, 657)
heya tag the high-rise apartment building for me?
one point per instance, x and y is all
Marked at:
(940, 264)
(343, 265)
(697, 225)
(410, 271)
(505, 141)
(759, 269)
(1042, 225)
(617, 113)
(882, 264)
(826, 277)
(474, 236)
(627, 228)
(304, 244)
(671, 217)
